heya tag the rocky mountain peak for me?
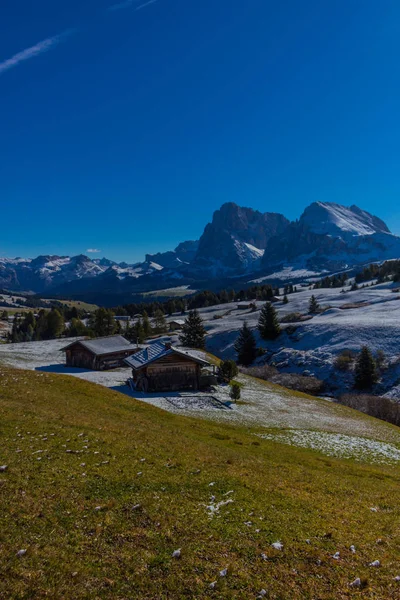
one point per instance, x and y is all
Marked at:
(237, 236)
(328, 218)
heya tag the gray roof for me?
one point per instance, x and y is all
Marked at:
(158, 350)
(104, 345)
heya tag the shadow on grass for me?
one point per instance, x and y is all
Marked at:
(60, 368)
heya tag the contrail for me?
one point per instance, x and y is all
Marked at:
(128, 3)
(28, 53)
(145, 4)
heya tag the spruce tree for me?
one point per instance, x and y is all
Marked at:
(313, 305)
(55, 324)
(365, 375)
(268, 324)
(245, 346)
(136, 333)
(285, 299)
(228, 369)
(193, 333)
(104, 322)
(235, 391)
(146, 324)
(159, 321)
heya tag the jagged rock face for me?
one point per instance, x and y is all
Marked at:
(237, 236)
(183, 253)
(330, 236)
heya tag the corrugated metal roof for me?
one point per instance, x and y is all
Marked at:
(104, 345)
(158, 350)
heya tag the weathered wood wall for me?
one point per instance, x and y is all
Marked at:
(81, 357)
(171, 373)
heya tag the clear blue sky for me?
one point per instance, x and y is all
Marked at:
(124, 126)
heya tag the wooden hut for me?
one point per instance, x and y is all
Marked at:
(176, 324)
(99, 354)
(162, 367)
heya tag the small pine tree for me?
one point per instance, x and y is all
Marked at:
(235, 391)
(103, 322)
(365, 375)
(137, 332)
(228, 369)
(313, 305)
(246, 346)
(55, 324)
(159, 321)
(285, 299)
(76, 328)
(146, 324)
(380, 360)
(193, 333)
(268, 324)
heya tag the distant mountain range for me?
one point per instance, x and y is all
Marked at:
(238, 247)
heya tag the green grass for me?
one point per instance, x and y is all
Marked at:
(78, 304)
(48, 506)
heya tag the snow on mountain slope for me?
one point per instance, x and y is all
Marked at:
(136, 270)
(326, 218)
(312, 346)
(330, 237)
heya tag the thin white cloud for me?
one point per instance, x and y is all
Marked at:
(129, 3)
(93, 250)
(28, 53)
(145, 4)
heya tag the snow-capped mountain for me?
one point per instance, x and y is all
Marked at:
(331, 237)
(235, 240)
(46, 271)
(184, 253)
(340, 221)
(239, 245)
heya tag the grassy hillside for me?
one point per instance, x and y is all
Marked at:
(100, 490)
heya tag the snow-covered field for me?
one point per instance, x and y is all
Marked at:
(314, 345)
(339, 445)
(263, 407)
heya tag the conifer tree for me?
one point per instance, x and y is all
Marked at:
(245, 346)
(313, 305)
(104, 322)
(228, 369)
(159, 321)
(285, 299)
(77, 328)
(55, 324)
(268, 324)
(235, 391)
(137, 333)
(193, 333)
(365, 375)
(146, 324)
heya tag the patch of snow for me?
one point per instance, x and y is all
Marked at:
(339, 445)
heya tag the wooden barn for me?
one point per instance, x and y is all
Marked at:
(99, 354)
(176, 324)
(162, 367)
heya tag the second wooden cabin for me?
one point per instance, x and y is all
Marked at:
(162, 367)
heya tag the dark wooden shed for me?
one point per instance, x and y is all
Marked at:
(162, 367)
(99, 354)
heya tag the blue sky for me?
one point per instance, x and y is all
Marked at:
(124, 126)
